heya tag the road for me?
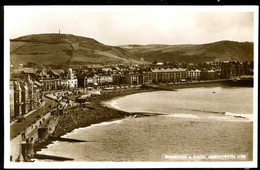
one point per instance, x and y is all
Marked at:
(18, 127)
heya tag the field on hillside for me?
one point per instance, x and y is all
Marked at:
(66, 49)
(222, 50)
(70, 49)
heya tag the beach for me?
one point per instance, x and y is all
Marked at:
(95, 112)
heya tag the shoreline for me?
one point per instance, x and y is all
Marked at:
(96, 112)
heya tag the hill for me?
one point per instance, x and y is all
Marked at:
(71, 49)
(66, 49)
(222, 50)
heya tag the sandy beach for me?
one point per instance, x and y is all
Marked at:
(95, 112)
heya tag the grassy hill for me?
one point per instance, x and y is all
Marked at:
(71, 49)
(222, 50)
(66, 49)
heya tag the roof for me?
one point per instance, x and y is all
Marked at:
(58, 71)
(42, 73)
(117, 68)
(29, 71)
(156, 70)
(106, 69)
(211, 71)
(208, 71)
(134, 73)
(225, 61)
(53, 72)
(37, 83)
(94, 66)
(195, 70)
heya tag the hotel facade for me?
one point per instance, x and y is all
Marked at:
(168, 74)
(156, 75)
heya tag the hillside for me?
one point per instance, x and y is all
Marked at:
(222, 50)
(71, 49)
(66, 49)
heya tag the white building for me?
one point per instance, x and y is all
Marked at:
(193, 74)
(105, 79)
(90, 81)
(72, 81)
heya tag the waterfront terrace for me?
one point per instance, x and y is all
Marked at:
(168, 74)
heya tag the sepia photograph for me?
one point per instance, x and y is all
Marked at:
(130, 86)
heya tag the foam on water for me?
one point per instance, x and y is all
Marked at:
(112, 104)
(181, 115)
(248, 117)
(225, 117)
(92, 126)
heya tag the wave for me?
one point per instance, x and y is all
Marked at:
(105, 123)
(225, 117)
(183, 115)
(220, 115)
(94, 125)
(249, 117)
(204, 111)
(111, 104)
(246, 116)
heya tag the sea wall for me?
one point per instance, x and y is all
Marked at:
(30, 134)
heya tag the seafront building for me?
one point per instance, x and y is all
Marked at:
(193, 75)
(48, 80)
(168, 74)
(11, 94)
(26, 84)
(133, 78)
(231, 69)
(25, 99)
(208, 74)
(156, 75)
(17, 99)
(72, 81)
(91, 80)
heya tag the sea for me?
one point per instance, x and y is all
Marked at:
(195, 124)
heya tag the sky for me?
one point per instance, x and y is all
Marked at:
(134, 25)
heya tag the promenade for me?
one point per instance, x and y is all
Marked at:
(17, 127)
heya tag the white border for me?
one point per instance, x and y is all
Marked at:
(8, 164)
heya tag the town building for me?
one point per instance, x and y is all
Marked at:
(30, 92)
(50, 80)
(25, 97)
(168, 74)
(81, 77)
(117, 78)
(133, 78)
(208, 74)
(231, 69)
(11, 94)
(72, 81)
(91, 80)
(17, 99)
(146, 77)
(193, 75)
(105, 79)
